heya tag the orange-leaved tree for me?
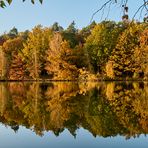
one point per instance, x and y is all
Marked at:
(59, 63)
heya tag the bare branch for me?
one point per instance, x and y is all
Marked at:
(141, 13)
(102, 13)
(144, 5)
(108, 11)
(104, 5)
(124, 6)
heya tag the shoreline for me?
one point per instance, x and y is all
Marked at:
(97, 80)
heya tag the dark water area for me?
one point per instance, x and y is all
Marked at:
(74, 115)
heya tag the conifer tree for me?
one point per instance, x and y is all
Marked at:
(124, 62)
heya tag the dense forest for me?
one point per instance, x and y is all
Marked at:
(104, 109)
(101, 51)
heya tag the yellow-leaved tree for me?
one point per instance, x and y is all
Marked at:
(59, 63)
(142, 52)
(13, 67)
(34, 51)
(123, 56)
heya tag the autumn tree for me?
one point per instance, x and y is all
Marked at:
(124, 62)
(59, 63)
(144, 46)
(13, 66)
(34, 51)
(141, 53)
(101, 42)
(2, 59)
(86, 31)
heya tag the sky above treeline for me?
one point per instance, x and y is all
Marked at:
(25, 15)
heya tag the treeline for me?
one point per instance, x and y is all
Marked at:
(107, 50)
(104, 109)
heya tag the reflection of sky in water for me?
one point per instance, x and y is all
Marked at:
(24, 138)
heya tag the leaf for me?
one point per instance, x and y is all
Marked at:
(9, 1)
(41, 1)
(2, 4)
(32, 1)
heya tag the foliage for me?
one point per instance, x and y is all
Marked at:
(56, 27)
(59, 62)
(141, 54)
(71, 35)
(124, 62)
(103, 51)
(3, 3)
(86, 31)
(12, 64)
(13, 33)
(34, 51)
(101, 42)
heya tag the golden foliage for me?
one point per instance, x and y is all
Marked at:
(124, 62)
(110, 69)
(85, 75)
(58, 60)
(34, 51)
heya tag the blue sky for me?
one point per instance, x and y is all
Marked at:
(25, 15)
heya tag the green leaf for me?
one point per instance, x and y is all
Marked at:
(32, 1)
(9, 1)
(41, 1)
(2, 4)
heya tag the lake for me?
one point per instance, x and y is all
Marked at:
(74, 115)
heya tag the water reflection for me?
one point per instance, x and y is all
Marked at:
(104, 109)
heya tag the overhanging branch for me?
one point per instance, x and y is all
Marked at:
(124, 5)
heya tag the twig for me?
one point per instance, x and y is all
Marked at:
(144, 5)
(108, 11)
(104, 5)
(123, 3)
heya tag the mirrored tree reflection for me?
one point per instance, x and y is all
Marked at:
(104, 109)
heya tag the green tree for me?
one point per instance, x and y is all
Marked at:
(86, 31)
(101, 42)
(13, 33)
(56, 27)
(71, 28)
(71, 35)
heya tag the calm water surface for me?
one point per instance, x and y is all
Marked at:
(72, 115)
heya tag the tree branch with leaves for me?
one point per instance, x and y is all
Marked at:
(4, 2)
